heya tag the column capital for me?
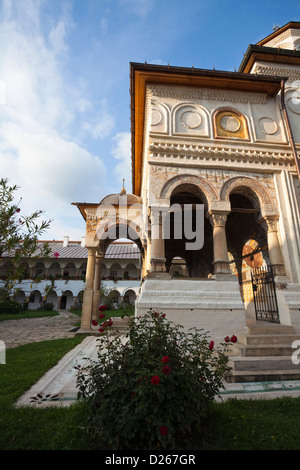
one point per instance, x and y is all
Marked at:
(270, 223)
(218, 218)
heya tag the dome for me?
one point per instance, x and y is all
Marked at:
(121, 198)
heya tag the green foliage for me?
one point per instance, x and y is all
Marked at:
(10, 306)
(154, 389)
(18, 237)
(47, 306)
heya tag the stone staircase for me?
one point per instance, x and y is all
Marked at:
(120, 325)
(264, 354)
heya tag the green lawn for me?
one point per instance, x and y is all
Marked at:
(236, 424)
(28, 314)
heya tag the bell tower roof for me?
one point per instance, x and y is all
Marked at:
(285, 37)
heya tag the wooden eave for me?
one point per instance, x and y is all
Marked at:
(268, 54)
(142, 75)
(84, 205)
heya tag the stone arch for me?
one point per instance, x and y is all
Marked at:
(67, 299)
(196, 120)
(160, 117)
(121, 228)
(35, 299)
(130, 271)
(129, 296)
(251, 188)
(205, 188)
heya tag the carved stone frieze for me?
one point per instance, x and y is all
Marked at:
(293, 74)
(188, 93)
(194, 152)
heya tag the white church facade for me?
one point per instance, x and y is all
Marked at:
(222, 149)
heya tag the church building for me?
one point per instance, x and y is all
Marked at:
(215, 202)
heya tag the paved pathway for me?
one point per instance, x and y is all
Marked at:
(58, 386)
(32, 330)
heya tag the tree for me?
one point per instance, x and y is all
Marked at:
(18, 238)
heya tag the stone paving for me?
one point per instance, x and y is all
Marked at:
(58, 386)
(32, 330)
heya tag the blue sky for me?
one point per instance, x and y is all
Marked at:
(64, 85)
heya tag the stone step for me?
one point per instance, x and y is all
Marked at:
(279, 363)
(265, 328)
(263, 376)
(262, 350)
(120, 325)
(264, 339)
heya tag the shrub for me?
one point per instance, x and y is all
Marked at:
(10, 306)
(47, 306)
(154, 387)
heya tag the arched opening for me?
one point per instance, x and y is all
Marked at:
(246, 238)
(20, 297)
(130, 272)
(35, 300)
(82, 271)
(52, 298)
(39, 270)
(114, 245)
(130, 297)
(67, 300)
(184, 220)
(54, 271)
(69, 271)
(115, 272)
(178, 267)
(104, 271)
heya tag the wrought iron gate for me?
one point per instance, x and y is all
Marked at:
(264, 294)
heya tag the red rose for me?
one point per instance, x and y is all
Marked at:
(163, 430)
(211, 345)
(165, 359)
(94, 322)
(233, 339)
(166, 370)
(155, 380)
(101, 330)
(227, 339)
(102, 315)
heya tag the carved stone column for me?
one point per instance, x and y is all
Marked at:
(221, 262)
(157, 260)
(97, 281)
(270, 223)
(87, 306)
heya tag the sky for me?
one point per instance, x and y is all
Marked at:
(64, 86)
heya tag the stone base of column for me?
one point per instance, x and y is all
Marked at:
(222, 267)
(278, 269)
(158, 268)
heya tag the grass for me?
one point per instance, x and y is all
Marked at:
(234, 425)
(29, 428)
(28, 314)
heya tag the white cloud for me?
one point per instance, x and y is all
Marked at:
(57, 38)
(37, 149)
(102, 126)
(122, 153)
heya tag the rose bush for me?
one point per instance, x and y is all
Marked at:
(154, 387)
